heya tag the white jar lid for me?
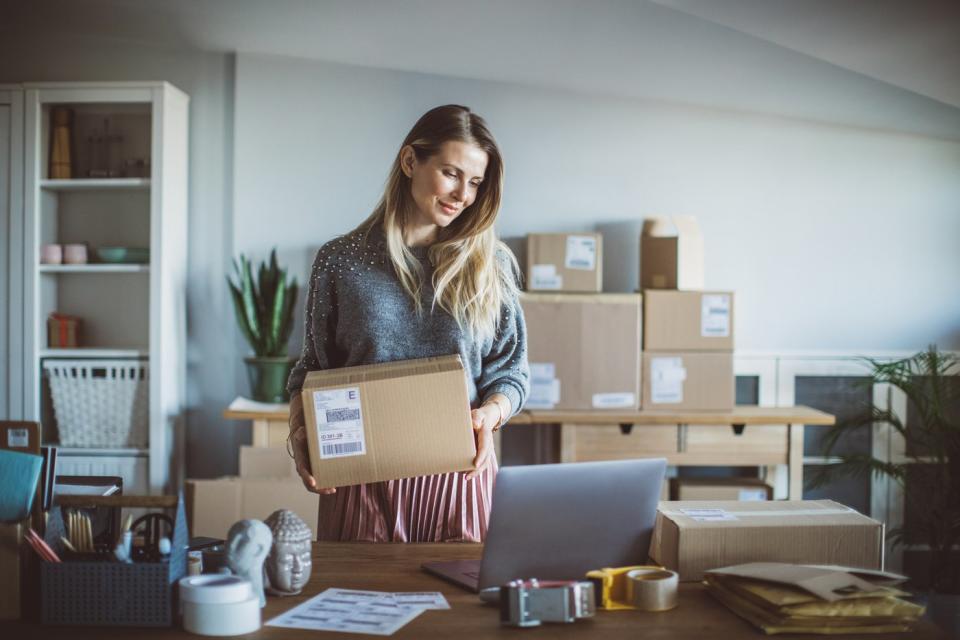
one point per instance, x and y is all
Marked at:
(216, 588)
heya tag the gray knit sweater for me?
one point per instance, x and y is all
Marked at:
(358, 313)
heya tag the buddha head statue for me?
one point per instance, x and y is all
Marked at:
(288, 564)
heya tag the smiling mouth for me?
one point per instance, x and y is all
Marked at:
(448, 208)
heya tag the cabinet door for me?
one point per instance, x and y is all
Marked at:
(11, 246)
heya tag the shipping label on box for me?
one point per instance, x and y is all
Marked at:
(583, 350)
(565, 262)
(688, 381)
(388, 421)
(688, 321)
(695, 536)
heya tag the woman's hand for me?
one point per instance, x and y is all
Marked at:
(299, 449)
(485, 419)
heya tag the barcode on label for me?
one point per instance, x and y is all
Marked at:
(340, 449)
(342, 415)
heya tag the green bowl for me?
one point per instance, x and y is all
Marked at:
(123, 255)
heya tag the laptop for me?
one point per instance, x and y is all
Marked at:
(558, 521)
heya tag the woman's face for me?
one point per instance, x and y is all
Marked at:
(446, 183)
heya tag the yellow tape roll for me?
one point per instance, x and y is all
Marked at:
(614, 590)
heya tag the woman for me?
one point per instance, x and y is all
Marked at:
(423, 276)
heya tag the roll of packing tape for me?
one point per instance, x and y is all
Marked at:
(652, 588)
(222, 618)
(215, 588)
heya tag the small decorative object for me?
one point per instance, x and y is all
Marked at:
(62, 331)
(75, 253)
(265, 313)
(51, 254)
(248, 543)
(289, 563)
(61, 145)
(123, 255)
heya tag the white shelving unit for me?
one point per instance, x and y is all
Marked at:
(127, 311)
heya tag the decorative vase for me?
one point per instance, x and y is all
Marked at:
(268, 377)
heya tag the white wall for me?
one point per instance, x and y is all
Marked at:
(834, 236)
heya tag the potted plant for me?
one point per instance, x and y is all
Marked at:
(932, 462)
(264, 309)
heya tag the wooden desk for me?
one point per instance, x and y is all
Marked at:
(396, 567)
(755, 436)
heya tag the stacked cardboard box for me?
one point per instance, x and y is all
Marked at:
(584, 350)
(571, 262)
(688, 350)
(688, 333)
(583, 346)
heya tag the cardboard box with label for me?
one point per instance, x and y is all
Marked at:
(214, 505)
(691, 537)
(565, 262)
(741, 489)
(584, 350)
(671, 253)
(688, 321)
(388, 421)
(687, 381)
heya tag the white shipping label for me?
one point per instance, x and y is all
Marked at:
(544, 386)
(715, 316)
(581, 253)
(18, 438)
(614, 400)
(708, 515)
(666, 380)
(339, 423)
(545, 276)
(752, 495)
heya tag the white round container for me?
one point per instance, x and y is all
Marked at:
(219, 605)
(222, 618)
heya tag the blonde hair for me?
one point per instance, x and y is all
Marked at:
(469, 281)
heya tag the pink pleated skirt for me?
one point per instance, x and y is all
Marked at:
(441, 508)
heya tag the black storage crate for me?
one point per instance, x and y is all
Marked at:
(140, 594)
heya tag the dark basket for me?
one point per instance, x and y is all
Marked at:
(112, 593)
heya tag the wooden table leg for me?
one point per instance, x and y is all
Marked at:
(568, 443)
(261, 433)
(795, 461)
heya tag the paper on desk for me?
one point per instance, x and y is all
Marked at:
(351, 611)
(245, 404)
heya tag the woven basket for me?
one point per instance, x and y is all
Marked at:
(99, 403)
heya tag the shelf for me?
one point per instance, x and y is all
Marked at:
(93, 352)
(93, 451)
(92, 184)
(94, 268)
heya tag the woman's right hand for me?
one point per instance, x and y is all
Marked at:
(301, 456)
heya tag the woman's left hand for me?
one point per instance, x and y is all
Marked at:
(484, 420)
